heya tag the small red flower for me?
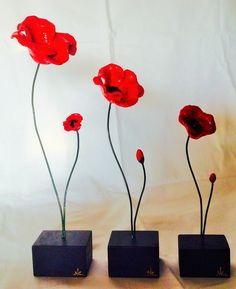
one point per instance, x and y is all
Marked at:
(212, 178)
(196, 122)
(140, 156)
(119, 86)
(73, 122)
(46, 46)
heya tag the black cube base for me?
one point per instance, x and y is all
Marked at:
(133, 258)
(204, 257)
(53, 257)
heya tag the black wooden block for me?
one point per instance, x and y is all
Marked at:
(133, 258)
(53, 257)
(207, 256)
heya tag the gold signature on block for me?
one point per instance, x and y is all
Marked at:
(221, 273)
(151, 273)
(78, 273)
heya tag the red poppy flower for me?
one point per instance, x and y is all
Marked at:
(45, 45)
(73, 122)
(196, 122)
(140, 156)
(119, 86)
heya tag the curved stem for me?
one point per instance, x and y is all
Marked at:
(196, 184)
(41, 144)
(67, 186)
(140, 198)
(123, 175)
(207, 209)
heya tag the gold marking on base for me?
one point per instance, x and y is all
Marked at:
(151, 273)
(221, 273)
(78, 273)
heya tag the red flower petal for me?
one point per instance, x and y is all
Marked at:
(97, 80)
(23, 36)
(70, 41)
(42, 54)
(42, 31)
(196, 122)
(61, 48)
(111, 74)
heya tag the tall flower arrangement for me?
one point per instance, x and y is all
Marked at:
(198, 124)
(46, 46)
(120, 87)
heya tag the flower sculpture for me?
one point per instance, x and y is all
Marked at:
(46, 46)
(73, 122)
(121, 87)
(198, 124)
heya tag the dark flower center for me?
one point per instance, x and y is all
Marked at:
(73, 122)
(52, 55)
(113, 89)
(194, 124)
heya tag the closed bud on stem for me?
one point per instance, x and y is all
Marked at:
(212, 178)
(140, 156)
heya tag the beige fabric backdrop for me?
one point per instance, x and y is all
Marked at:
(183, 52)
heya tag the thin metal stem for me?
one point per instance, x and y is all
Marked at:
(196, 184)
(207, 209)
(67, 185)
(140, 198)
(123, 175)
(41, 144)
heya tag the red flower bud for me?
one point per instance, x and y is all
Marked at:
(212, 178)
(140, 156)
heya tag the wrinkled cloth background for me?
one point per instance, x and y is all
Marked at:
(183, 52)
